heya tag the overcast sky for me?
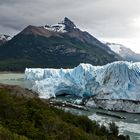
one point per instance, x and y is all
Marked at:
(109, 20)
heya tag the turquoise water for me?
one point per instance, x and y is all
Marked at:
(15, 79)
(131, 125)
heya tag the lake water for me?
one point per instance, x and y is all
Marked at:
(130, 126)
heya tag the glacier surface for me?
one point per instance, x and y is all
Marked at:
(117, 80)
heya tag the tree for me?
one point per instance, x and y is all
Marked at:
(113, 129)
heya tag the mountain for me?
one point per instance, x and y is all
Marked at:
(59, 45)
(124, 52)
(115, 83)
(4, 39)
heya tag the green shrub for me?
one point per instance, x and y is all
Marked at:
(33, 119)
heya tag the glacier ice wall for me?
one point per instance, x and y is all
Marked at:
(117, 80)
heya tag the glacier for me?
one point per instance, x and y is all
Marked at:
(115, 81)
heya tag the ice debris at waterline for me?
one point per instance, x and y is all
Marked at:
(117, 80)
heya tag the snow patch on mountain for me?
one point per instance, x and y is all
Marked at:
(5, 37)
(60, 27)
(115, 47)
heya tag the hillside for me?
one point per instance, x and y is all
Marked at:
(60, 45)
(23, 118)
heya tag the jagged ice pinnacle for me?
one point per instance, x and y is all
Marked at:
(118, 80)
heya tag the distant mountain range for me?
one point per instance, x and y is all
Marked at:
(60, 45)
(124, 52)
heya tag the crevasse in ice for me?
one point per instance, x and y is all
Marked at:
(117, 80)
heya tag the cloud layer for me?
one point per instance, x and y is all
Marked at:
(102, 18)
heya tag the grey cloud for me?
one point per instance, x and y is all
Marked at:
(102, 18)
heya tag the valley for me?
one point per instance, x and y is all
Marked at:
(69, 70)
(125, 125)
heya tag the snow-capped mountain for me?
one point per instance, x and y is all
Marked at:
(62, 27)
(4, 39)
(65, 28)
(60, 45)
(115, 81)
(124, 52)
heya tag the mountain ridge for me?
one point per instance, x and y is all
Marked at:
(38, 46)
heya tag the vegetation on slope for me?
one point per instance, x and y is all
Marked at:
(24, 118)
(38, 51)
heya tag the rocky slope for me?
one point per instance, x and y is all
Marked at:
(59, 45)
(19, 92)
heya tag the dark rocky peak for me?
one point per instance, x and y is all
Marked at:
(68, 23)
(62, 27)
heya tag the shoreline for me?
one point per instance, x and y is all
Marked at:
(11, 72)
